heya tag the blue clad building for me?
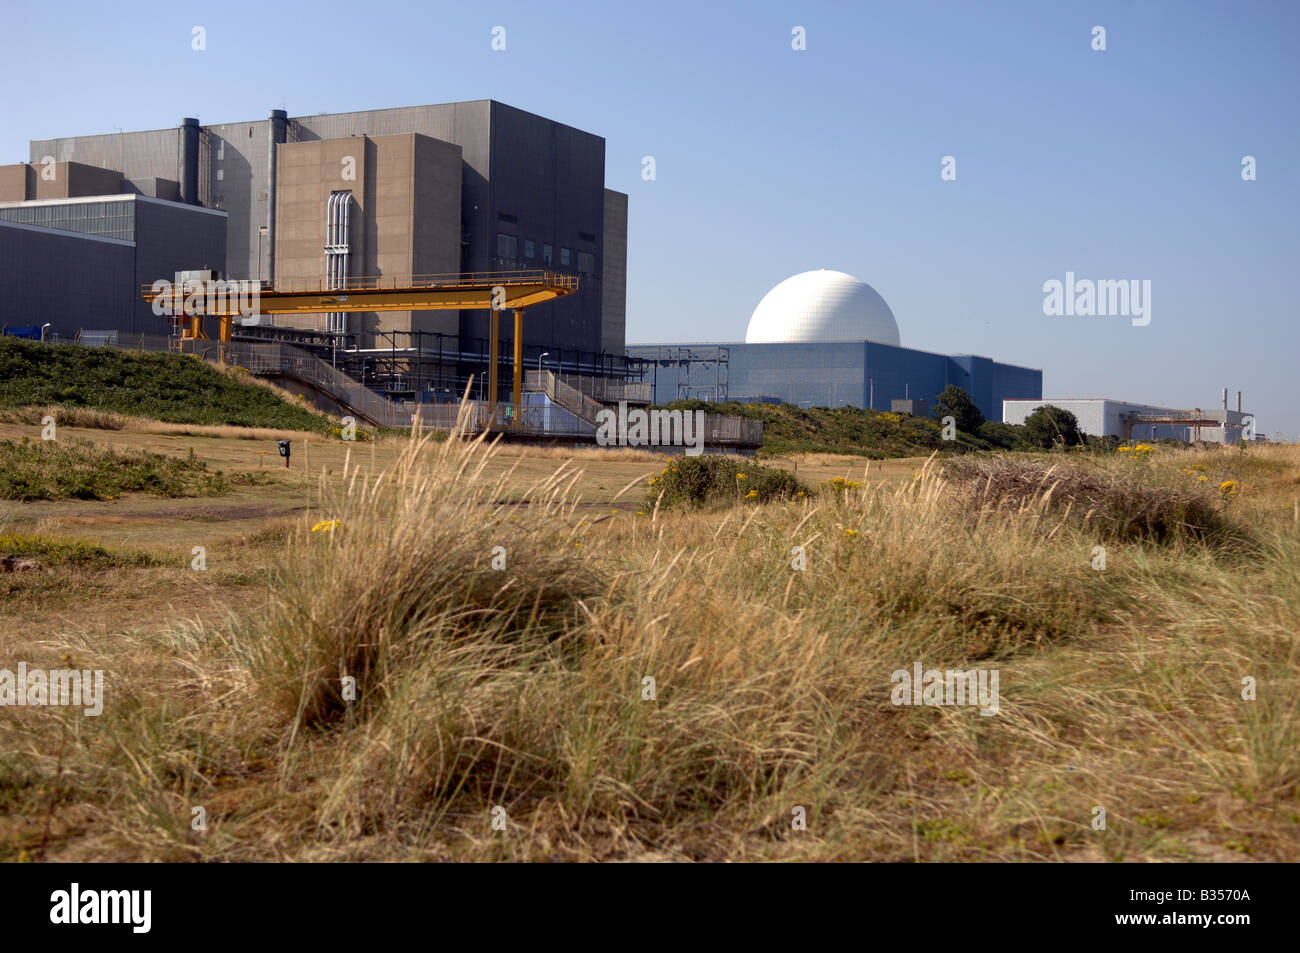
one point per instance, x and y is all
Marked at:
(825, 339)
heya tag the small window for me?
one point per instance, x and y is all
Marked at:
(547, 253)
(586, 262)
(506, 246)
(564, 256)
(530, 249)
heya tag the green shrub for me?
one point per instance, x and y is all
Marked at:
(52, 551)
(1048, 427)
(713, 480)
(55, 470)
(955, 402)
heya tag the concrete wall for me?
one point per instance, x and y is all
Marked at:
(57, 180)
(306, 174)
(613, 293)
(404, 219)
(74, 179)
(435, 210)
(17, 182)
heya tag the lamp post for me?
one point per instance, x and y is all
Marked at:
(43, 327)
(539, 361)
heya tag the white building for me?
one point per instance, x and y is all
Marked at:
(1101, 417)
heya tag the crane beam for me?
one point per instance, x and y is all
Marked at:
(495, 291)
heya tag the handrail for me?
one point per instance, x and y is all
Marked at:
(476, 279)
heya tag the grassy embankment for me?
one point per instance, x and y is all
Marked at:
(113, 389)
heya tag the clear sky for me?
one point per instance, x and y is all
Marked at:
(1121, 164)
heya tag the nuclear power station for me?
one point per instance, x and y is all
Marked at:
(381, 248)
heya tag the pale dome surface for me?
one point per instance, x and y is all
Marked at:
(822, 306)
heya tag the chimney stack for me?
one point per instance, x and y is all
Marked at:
(1225, 398)
(1238, 401)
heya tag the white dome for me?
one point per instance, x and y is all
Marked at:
(822, 306)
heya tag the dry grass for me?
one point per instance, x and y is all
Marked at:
(524, 687)
(1107, 501)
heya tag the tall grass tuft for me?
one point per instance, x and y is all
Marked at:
(1128, 504)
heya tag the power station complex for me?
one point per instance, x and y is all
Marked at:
(823, 338)
(430, 190)
(376, 241)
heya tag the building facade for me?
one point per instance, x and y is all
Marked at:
(531, 195)
(830, 374)
(1101, 417)
(78, 263)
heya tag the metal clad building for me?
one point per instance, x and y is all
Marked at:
(532, 195)
(838, 374)
(78, 263)
(1101, 417)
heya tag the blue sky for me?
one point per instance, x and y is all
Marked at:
(1122, 164)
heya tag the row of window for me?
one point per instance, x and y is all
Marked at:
(106, 219)
(508, 247)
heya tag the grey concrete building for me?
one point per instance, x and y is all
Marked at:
(1101, 417)
(78, 263)
(532, 195)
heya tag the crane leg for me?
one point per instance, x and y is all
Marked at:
(518, 391)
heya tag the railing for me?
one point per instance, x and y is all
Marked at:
(725, 429)
(609, 391)
(480, 279)
(719, 429)
(575, 402)
(571, 413)
(294, 362)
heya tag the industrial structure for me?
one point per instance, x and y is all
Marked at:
(475, 187)
(1100, 417)
(824, 338)
(75, 248)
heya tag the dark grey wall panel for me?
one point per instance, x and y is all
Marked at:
(170, 238)
(73, 281)
(613, 333)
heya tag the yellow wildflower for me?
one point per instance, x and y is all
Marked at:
(326, 526)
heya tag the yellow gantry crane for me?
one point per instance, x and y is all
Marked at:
(193, 301)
